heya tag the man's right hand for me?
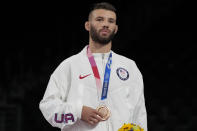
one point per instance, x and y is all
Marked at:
(90, 115)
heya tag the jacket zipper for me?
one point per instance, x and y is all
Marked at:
(103, 63)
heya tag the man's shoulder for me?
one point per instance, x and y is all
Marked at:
(127, 63)
(74, 58)
(71, 59)
(123, 58)
(68, 62)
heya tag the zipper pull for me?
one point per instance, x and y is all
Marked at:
(103, 63)
(103, 55)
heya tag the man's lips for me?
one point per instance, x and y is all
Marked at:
(104, 31)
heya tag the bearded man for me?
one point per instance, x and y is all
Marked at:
(96, 89)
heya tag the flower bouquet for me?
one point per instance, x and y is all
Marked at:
(131, 127)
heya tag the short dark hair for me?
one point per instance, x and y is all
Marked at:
(102, 5)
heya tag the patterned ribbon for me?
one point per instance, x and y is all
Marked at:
(97, 76)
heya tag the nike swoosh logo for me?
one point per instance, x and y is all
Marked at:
(81, 77)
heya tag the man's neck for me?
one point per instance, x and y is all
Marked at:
(99, 48)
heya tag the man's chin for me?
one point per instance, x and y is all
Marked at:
(104, 42)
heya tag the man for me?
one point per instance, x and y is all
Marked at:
(97, 89)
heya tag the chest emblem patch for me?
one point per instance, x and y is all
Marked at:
(122, 73)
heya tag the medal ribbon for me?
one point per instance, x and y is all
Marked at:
(97, 76)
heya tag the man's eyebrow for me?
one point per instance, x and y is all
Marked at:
(112, 19)
(99, 17)
(103, 17)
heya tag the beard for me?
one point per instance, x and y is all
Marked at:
(96, 37)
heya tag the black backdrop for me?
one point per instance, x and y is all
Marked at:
(159, 35)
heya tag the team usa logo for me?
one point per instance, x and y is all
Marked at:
(122, 73)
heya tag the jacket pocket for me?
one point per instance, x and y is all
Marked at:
(122, 109)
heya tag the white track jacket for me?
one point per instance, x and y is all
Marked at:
(73, 85)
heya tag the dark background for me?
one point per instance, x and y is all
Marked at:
(159, 35)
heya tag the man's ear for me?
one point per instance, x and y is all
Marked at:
(116, 29)
(87, 25)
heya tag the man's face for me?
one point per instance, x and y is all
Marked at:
(102, 26)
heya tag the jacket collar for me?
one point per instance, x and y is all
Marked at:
(84, 51)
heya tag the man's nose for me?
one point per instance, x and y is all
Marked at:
(105, 24)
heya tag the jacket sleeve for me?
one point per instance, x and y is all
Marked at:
(140, 116)
(54, 106)
(139, 113)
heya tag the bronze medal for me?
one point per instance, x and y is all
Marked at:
(104, 111)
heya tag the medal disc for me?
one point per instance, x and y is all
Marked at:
(104, 111)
